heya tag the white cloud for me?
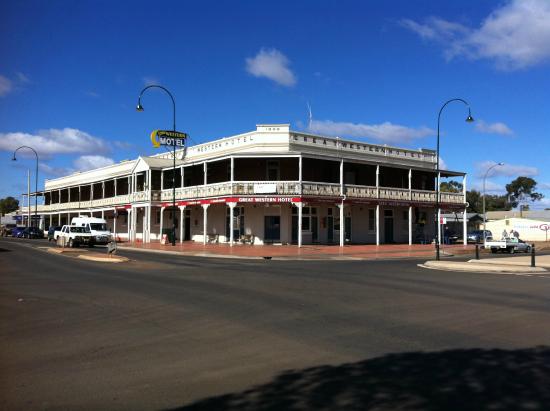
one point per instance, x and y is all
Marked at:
(6, 86)
(514, 36)
(271, 64)
(385, 132)
(490, 187)
(543, 186)
(55, 141)
(149, 81)
(84, 163)
(493, 128)
(508, 170)
(23, 78)
(442, 164)
(54, 171)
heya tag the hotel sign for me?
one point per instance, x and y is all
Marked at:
(168, 138)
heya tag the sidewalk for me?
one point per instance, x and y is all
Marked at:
(307, 252)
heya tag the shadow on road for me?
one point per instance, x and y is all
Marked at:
(469, 379)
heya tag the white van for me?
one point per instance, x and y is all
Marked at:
(97, 226)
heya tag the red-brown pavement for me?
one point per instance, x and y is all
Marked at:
(306, 252)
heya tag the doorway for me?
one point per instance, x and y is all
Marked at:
(187, 226)
(388, 226)
(272, 229)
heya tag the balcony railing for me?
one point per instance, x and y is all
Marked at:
(250, 188)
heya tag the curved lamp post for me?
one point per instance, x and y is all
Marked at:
(469, 119)
(35, 181)
(484, 215)
(139, 107)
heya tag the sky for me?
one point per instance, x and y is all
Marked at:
(375, 71)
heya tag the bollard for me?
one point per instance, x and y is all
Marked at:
(477, 251)
(533, 255)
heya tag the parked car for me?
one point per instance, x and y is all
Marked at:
(75, 236)
(509, 245)
(97, 227)
(17, 231)
(32, 232)
(52, 230)
(476, 236)
(6, 229)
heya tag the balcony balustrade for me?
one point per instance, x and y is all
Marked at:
(246, 188)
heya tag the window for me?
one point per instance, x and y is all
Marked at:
(307, 213)
(372, 220)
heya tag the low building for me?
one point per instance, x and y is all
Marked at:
(270, 185)
(527, 229)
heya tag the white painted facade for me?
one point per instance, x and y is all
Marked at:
(281, 186)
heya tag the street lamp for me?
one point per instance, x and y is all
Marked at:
(35, 181)
(469, 119)
(139, 107)
(484, 215)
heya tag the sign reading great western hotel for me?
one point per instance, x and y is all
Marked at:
(168, 138)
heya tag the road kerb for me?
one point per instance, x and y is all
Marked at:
(480, 267)
(103, 259)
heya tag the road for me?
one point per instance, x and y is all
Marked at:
(164, 332)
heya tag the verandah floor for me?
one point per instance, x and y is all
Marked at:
(313, 252)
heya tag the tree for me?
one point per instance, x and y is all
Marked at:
(451, 186)
(522, 189)
(8, 204)
(474, 199)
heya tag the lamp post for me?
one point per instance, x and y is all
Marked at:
(469, 119)
(35, 181)
(139, 107)
(484, 215)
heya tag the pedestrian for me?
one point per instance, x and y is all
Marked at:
(511, 235)
(504, 235)
(516, 234)
(446, 235)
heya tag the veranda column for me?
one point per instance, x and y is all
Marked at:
(204, 220)
(377, 224)
(182, 220)
(231, 224)
(465, 226)
(465, 223)
(115, 217)
(161, 222)
(299, 205)
(342, 224)
(410, 225)
(341, 179)
(103, 214)
(129, 223)
(300, 175)
(149, 209)
(377, 181)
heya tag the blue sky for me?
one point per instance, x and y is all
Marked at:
(71, 71)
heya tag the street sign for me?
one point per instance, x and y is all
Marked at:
(168, 138)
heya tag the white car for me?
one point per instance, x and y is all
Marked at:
(96, 226)
(74, 236)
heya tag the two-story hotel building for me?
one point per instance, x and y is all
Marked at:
(270, 185)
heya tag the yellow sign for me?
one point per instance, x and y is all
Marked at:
(168, 138)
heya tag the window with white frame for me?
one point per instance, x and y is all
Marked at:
(307, 214)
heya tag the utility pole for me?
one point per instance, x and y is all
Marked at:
(29, 198)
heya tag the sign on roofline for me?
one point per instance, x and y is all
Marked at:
(168, 138)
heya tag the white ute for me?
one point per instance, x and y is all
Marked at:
(73, 236)
(97, 227)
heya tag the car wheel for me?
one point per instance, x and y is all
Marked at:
(512, 250)
(494, 250)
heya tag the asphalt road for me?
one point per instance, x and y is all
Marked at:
(164, 332)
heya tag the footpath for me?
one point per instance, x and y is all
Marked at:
(307, 252)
